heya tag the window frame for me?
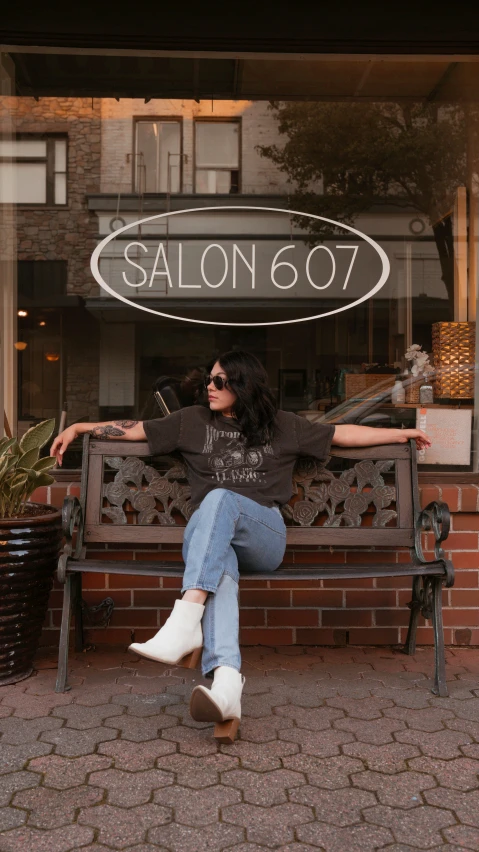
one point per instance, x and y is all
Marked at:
(219, 120)
(49, 160)
(137, 119)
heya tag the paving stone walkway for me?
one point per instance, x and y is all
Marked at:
(342, 750)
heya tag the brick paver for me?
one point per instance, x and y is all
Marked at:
(340, 750)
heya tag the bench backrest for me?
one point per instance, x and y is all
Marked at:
(362, 496)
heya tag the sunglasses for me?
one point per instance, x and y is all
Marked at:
(218, 381)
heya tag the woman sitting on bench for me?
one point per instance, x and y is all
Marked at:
(240, 452)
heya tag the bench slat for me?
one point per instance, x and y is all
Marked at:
(287, 572)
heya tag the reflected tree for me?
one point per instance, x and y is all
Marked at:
(345, 157)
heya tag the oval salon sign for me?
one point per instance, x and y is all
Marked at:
(213, 271)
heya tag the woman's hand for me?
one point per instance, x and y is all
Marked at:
(422, 440)
(62, 441)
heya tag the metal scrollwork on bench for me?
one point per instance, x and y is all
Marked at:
(161, 488)
(316, 489)
(323, 491)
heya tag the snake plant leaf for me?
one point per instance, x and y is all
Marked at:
(5, 445)
(44, 464)
(19, 478)
(44, 479)
(29, 458)
(37, 436)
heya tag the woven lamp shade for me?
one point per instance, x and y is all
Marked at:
(454, 357)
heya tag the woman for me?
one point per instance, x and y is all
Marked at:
(240, 453)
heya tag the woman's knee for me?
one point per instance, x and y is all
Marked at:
(217, 497)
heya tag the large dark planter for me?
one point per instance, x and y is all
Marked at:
(29, 550)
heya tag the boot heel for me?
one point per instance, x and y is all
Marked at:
(225, 732)
(191, 661)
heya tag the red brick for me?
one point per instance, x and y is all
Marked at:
(464, 598)
(467, 579)
(163, 556)
(370, 557)
(319, 557)
(346, 618)
(292, 617)
(113, 555)
(95, 581)
(252, 618)
(133, 617)
(461, 617)
(457, 541)
(466, 560)
(170, 582)
(128, 581)
(154, 597)
(374, 598)
(393, 582)
(428, 493)
(266, 636)
(450, 495)
(282, 584)
(474, 638)
(469, 498)
(374, 636)
(392, 617)
(317, 597)
(315, 636)
(40, 495)
(465, 521)
(74, 489)
(360, 583)
(265, 597)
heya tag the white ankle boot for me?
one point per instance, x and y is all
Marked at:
(179, 641)
(220, 704)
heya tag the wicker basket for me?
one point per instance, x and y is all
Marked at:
(454, 355)
(357, 383)
(412, 390)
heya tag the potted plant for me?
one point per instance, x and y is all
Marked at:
(30, 540)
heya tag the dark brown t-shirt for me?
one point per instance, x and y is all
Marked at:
(216, 456)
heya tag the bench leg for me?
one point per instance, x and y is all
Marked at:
(415, 607)
(79, 643)
(68, 595)
(440, 687)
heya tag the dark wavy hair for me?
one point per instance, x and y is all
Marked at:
(255, 407)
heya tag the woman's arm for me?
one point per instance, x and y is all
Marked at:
(370, 436)
(126, 430)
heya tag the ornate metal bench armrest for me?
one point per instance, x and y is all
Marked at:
(72, 517)
(435, 518)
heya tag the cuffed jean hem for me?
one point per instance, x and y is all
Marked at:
(200, 587)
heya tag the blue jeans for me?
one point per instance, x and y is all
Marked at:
(228, 533)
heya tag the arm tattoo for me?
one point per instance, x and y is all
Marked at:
(116, 431)
(106, 432)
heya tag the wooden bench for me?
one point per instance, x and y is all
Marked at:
(363, 498)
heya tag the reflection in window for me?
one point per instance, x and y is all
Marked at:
(217, 156)
(33, 170)
(157, 160)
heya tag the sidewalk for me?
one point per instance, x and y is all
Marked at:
(343, 750)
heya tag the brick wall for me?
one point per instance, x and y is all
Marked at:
(358, 612)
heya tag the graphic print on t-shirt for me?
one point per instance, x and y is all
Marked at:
(232, 461)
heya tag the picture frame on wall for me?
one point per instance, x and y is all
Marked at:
(292, 387)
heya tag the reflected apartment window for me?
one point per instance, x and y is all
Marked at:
(157, 160)
(33, 170)
(217, 156)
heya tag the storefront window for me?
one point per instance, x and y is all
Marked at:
(331, 187)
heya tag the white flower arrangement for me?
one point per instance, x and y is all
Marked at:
(419, 359)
